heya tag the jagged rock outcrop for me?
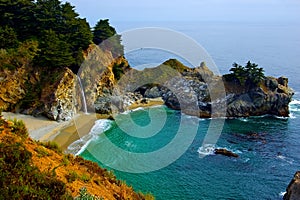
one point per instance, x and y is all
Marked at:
(60, 99)
(194, 91)
(213, 96)
(99, 81)
(271, 97)
(23, 91)
(293, 189)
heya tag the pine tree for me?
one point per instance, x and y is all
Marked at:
(55, 52)
(107, 37)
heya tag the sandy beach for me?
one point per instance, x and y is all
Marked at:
(39, 128)
(65, 133)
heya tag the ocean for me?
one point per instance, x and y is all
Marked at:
(268, 146)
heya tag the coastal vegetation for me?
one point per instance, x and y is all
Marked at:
(39, 41)
(250, 74)
(31, 169)
(48, 33)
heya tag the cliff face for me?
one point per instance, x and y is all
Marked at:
(25, 90)
(194, 91)
(198, 91)
(56, 94)
(98, 75)
(12, 87)
(60, 99)
(272, 96)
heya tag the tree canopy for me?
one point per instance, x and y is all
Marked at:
(250, 74)
(60, 34)
(107, 37)
(59, 31)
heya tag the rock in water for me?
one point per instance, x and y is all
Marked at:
(226, 152)
(293, 189)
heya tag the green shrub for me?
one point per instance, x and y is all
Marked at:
(42, 152)
(72, 176)
(85, 178)
(51, 145)
(84, 195)
(18, 127)
(20, 179)
(65, 160)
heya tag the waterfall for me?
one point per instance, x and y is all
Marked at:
(82, 96)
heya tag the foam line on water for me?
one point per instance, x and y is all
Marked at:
(80, 145)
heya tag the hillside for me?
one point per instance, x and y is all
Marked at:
(31, 169)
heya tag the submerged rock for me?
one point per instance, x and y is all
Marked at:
(293, 189)
(226, 152)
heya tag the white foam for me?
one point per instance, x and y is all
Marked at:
(288, 160)
(80, 145)
(294, 105)
(292, 116)
(281, 194)
(294, 108)
(295, 101)
(278, 117)
(207, 149)
(243, 119)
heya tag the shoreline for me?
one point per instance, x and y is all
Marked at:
(66, 132)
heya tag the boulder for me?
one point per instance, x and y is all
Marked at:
(226, 152)
(293, 189)
(283, 81)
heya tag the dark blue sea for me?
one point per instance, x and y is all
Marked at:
(268, 146)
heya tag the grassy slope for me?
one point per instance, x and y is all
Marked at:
(31, 169)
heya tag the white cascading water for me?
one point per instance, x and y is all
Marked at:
(82, 96)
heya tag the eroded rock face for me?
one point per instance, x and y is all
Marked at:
(60, 99)
(12, 88)
(201, 93)
(293, 189)
(271, 97)
(195, 91)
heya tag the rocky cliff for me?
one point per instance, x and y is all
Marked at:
(201, 93)
(195, 91)
(29, 91)
(55, 93)
(293, 189)
(12, 87)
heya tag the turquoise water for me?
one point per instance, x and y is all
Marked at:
(266, 164)
(268, 147)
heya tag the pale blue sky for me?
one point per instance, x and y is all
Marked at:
(188, 10)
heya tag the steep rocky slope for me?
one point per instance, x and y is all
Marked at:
(56, 93)
(201, 93)
(195, 91)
